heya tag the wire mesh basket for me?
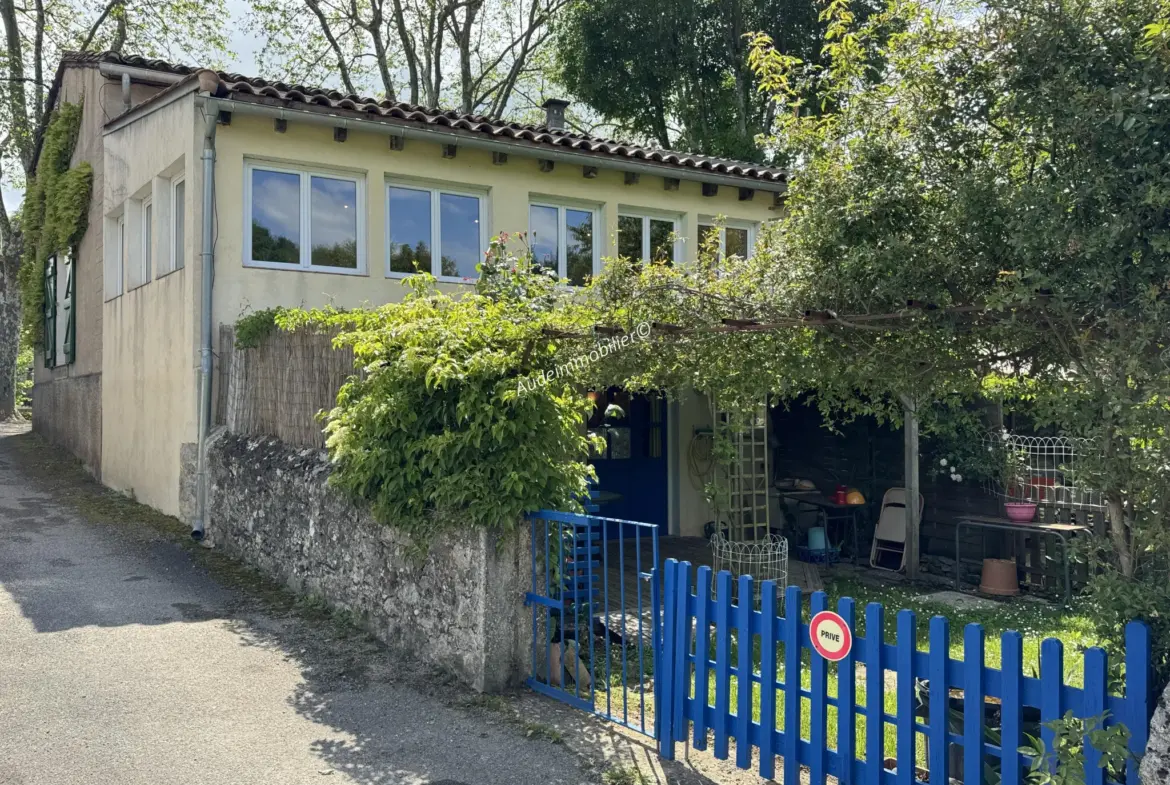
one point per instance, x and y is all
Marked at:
(764, 559)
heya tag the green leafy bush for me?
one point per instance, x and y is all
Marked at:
(435, 430)
(24, 382)
(251, 330)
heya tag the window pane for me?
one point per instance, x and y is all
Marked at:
(545, 242)
(410, 230)
(180, 214)
(579, 249)
(630, 237)
(333, 222)
(459, 235)
(276, 217)
(662, 241)
(737, 242)
(147, 240)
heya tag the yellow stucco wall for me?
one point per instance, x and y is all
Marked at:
(149, 333)
(509, 188)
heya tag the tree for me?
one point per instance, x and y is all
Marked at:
(677, 72)
(35, 36)
(474, 54)
(1015, 163)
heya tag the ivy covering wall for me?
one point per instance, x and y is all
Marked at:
(55, 212)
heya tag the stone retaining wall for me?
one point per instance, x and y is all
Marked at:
(459, 607)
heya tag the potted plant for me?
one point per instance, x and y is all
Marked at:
(1015, 485)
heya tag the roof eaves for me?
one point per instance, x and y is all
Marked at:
(519, 139)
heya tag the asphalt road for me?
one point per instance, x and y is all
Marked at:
(123, 659)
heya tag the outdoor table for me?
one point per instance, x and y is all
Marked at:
(830, 509)
(1059, 530)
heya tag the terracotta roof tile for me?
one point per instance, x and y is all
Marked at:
(535, 135)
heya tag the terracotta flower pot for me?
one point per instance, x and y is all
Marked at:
(999, 578)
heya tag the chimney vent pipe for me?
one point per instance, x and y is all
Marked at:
(554, 113)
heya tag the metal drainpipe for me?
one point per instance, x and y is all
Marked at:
(207, 257)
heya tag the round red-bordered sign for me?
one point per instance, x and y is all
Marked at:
(830, 636)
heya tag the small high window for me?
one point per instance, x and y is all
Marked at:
(178, 223)
(147, 239)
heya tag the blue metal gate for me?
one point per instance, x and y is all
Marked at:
(596, 615)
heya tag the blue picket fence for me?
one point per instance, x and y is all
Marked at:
(696, 696)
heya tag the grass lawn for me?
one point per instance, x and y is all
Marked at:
(1034, 620)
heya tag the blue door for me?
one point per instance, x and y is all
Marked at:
(631, 475)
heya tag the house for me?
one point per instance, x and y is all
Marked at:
(217, 194)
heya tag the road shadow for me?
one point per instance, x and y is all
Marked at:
(74, 554)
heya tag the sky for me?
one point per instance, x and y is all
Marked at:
(245, 46)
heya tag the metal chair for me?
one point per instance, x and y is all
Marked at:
(889, 537)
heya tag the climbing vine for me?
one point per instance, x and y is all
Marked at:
(455, 419)
(251, 329)
(55, 213)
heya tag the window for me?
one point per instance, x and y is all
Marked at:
(178, 223)
(645, 238)
(561, 239)
(734, 239)
(147, 238)
(310, 220)
(419, 220)
(114, 254)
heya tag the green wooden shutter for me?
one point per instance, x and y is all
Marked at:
(50, 342)
(68, 305)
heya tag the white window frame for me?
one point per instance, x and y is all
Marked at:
(306, 239)
(147, 257)
(563, 233)
(435, 192)
(648, 216)
(179, 217)
(751, 227)
(114, 257)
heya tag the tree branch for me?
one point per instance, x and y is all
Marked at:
(97, 24)
(346, 80)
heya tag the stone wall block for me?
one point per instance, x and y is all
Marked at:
(459, 607)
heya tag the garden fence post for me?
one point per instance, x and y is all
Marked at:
(818, 705)
(792, 608)
(973, 703)
(1012, 676)
(768, 623)
(1051, 689)
(940, 708)
(1096, 698)
(743, 711)
(875, 694)
(906, 736)
(1137, 694)
(663, 681)
(682, 637)
(702, 653)
(847, 698)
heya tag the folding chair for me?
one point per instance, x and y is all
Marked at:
(889, 536)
